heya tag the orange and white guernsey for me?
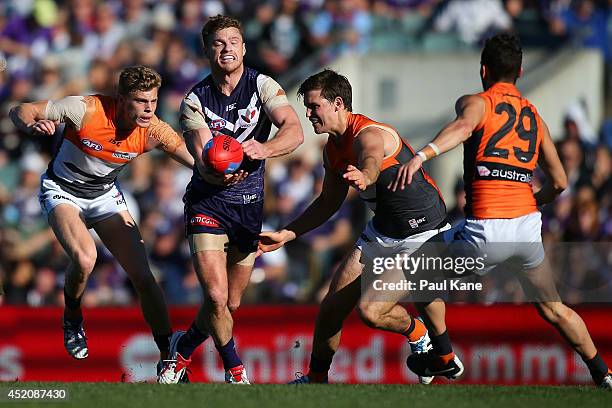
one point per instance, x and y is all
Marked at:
(397, 214)
(500, 156)
(93, 151)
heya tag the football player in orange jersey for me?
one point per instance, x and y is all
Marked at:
(504, 140)
(79, 189)
(365, 155)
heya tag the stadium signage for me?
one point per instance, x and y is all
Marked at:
(504, 344)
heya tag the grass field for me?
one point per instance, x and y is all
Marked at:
(111, 395)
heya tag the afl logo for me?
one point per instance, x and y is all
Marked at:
(92, 145)
(217, 124)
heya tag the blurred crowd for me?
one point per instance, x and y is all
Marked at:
(71, 47)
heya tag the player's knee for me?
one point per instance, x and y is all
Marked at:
(218, 299)
(84, 262)
(233, 305)
(370, 314)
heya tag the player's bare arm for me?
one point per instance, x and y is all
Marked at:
(470, 110)
(164, 138)
(370, 150)
(286, 140)
(289, 135)
(332, 196)
(41, 118)
(30, 118)
(556, 179)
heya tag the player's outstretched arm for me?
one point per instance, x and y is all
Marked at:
(332, 196)
(41, 118)
(26, 117)
(470, 111)
(370, 150)
(556, 179)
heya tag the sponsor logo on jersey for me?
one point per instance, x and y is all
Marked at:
(204, 220)
(504, 172)
(61, 197)
(124, 155)
(416, 222)
(249, 198)
(511, 175)
(217, 124)
(90, 144)
(483, 171)
(248, 117)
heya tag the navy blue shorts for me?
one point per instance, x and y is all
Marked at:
(240, 222)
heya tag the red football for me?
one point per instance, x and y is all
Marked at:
(223, 154)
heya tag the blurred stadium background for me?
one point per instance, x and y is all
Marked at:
(408, 61)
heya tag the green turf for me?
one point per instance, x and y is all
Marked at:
(111, 395)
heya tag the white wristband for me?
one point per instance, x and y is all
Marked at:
(422, 155)
(435, 148)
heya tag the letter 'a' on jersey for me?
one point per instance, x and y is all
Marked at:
(501, 155)
(397, 214)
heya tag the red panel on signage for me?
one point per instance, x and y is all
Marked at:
(501, 344)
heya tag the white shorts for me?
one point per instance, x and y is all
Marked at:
(375, 245)
(498, 240)
(93, 209)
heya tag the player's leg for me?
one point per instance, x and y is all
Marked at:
(211, 268)
(213, 317)
(434, 315)
(206, 220)
(71, 232)
(342, 297)
(245, 226)
(441, 357)
(380, 308)
(121, 236)
(539, 283)
(239, 266)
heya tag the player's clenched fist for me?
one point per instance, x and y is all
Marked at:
(43, 127)
(255, 150)
(272, 240)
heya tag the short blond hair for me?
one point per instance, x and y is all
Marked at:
(138, 78)
(218, 23)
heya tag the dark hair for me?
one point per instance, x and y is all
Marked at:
(332, 85)
(503, 57)
(218, 23)
(138, 78)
